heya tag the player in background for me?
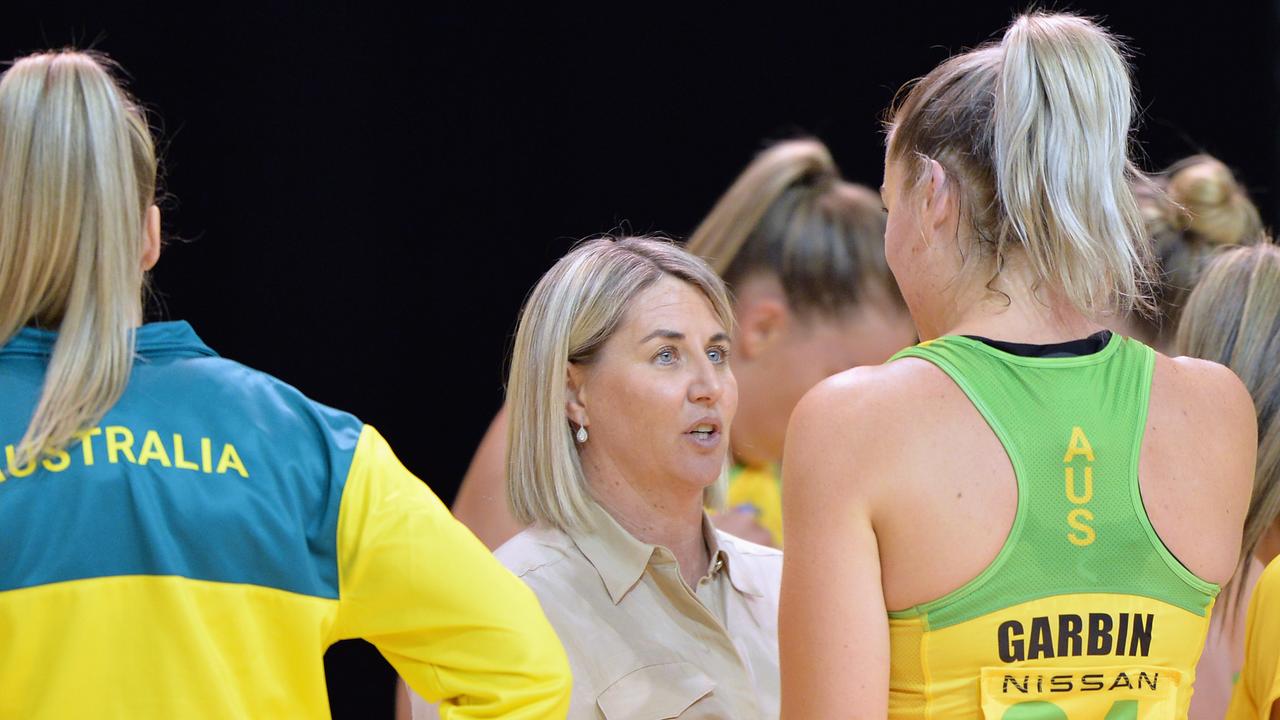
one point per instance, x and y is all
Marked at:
(1191, 210)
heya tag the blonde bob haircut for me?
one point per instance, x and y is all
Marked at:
(77, 174)
(1035, 130)
(570, 315)
(1232, 317)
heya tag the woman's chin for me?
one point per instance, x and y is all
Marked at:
(700, 476)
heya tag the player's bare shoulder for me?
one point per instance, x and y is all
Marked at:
(1202, 405)
(871, 392)
(1197, 462)
(1208, 395)
(863, 417)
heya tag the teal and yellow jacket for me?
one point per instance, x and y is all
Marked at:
(194, 554)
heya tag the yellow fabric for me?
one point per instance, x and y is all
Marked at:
(932, 671)
(243, 651)
(412, 580)
(458, 627)
(758, 489)
(1259, 686)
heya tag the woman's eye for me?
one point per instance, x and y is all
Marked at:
(665, 356)
(718, 355)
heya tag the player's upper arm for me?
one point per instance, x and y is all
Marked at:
(1223, 427)
(1223, 400)
(481, 503)
(413, 581)
(833, 628)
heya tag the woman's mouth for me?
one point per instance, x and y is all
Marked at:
(705, 434)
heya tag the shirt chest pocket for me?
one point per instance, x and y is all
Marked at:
(656, 692)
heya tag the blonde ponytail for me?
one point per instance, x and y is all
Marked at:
(1063, 110)
(735, 217)
(77, 173)
(1036, 130)
(789, 214)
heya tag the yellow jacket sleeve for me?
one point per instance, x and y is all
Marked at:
(1259, 685)
(458, 627)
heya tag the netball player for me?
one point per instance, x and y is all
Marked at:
(183, 536)
(1191, 210)
(1024, 516)
(803, 252)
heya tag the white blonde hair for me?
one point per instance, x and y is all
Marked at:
(571, 313)
(77, 173)
(1036, 129)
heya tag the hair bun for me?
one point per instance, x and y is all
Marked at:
(1160, 216)
(1214, 207)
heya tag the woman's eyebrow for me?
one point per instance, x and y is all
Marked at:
(674, 335)
(668, 334)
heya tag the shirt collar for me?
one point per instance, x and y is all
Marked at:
(152, 340)
(738, 570)
(621, 558)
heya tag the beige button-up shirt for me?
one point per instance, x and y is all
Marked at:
(643, 645)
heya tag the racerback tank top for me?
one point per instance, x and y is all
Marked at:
(1083, 613)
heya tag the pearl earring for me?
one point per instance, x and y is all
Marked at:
(581, 435)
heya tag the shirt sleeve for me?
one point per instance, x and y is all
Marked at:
(458, 627)
(1259, 684)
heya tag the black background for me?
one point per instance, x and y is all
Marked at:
(360, 196)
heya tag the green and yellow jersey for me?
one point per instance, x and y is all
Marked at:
(194, 553)
(1083, 613)
(758, 490)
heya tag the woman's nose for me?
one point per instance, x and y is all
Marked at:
(708, 385)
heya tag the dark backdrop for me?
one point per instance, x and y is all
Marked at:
(360, 197)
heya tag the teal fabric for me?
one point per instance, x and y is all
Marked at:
(178, 507)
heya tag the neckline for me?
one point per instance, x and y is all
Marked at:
(1081, 347)
(1111, 348)
(155, 339)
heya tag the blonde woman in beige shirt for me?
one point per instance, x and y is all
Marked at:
(621, 398)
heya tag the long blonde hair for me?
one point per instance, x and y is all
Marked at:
(572, 312)
(791, 215)
(77, 174)
(1035, 129)
(1233, 317)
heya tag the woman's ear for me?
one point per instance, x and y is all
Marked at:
(151, 238)
(761, 323)
(575, 403)
(938, 196)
